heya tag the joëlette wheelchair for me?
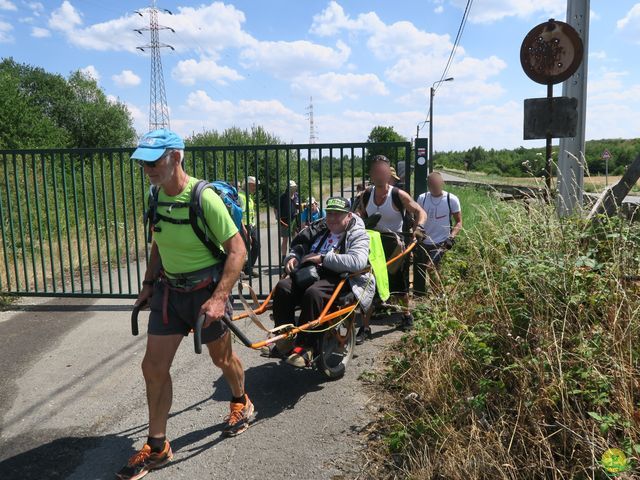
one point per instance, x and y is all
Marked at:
(334, 327)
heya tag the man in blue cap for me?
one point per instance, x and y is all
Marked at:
(184, 279)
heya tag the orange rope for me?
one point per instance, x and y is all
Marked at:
(324, 317)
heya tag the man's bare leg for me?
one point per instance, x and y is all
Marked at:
(225, 359)
(156, 365)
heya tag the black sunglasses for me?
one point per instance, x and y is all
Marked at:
(153, 164)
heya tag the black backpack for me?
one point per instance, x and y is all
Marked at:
(153, 217)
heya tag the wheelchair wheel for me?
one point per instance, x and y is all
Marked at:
(336, 349)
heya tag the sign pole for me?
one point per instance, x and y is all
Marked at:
(572, 150)
(421, 171)
(606, 155)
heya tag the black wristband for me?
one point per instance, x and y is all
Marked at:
(148, 282)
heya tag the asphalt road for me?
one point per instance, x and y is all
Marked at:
(72, 403)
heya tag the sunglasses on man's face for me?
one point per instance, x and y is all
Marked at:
(142, 163)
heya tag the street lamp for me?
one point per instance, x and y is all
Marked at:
(431, 94)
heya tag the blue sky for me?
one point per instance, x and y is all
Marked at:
(365, 63)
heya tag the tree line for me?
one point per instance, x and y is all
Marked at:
(46, 110)
(522, 161)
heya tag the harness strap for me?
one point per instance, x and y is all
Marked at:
(168, 287)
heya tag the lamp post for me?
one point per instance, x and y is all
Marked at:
(431, 94)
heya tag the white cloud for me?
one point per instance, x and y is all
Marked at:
(438, 9)
(188, 72)
(492, 126)
(204, 112)
(65, 18)
(598, 54)
(630, 23)
(417, 70)
(208, 28)
(333, 19)
(289, 59)
(355, 125)
(334, 87)
(385, 41)
(7, 5)
(140, 118)
(5, 32)
(456, 94)
(126, 78)
(39, 32)
(489, 11)
(36, 8)
(91, 72)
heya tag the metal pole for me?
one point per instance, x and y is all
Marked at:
(606, 172)
(548, 150)
(430, 130)
(572, 150)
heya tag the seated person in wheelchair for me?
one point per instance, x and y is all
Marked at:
(334, 246)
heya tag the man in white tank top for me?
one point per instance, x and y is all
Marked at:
(392, 204)
(441, 229)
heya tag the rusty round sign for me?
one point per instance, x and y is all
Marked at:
(551, 52)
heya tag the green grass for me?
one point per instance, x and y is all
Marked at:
(528, 367)
(476, 204)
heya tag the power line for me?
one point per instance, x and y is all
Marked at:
(456, 43)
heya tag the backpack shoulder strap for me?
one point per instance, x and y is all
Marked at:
(397, 201)
(150, 215)
(364, 199)
(196, 213)
(323, 239)
(366, 196)
(450, 213)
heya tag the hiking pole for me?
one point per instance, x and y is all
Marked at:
(134, 320)
(134, 317)
(197, 334)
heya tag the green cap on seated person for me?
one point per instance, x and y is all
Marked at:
(338, 204)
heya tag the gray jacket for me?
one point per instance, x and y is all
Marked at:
(354, 259)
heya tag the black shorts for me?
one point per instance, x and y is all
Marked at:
(399, 280)
(182, 312)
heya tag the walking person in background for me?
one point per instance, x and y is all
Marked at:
(286, 214)
(391, 204)
(444, 222)
(311, 213)
(357, 198)
(393, 181)
(248, 203)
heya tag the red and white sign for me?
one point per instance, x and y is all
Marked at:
(606, 155)
(422, 152)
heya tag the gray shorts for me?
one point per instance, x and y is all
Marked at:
(182, 312)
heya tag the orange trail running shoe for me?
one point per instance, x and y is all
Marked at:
(239, 418)
(144, 461)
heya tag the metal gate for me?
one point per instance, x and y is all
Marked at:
(71, 220)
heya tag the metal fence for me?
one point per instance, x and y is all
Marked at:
(71, 221)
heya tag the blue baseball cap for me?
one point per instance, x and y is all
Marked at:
(152, 145)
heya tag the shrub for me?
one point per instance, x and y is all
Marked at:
(528, 368)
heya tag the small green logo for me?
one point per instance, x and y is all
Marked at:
(614, 461)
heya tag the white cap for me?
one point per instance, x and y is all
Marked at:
(292, 184)
(252, 179)
(311, 200)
